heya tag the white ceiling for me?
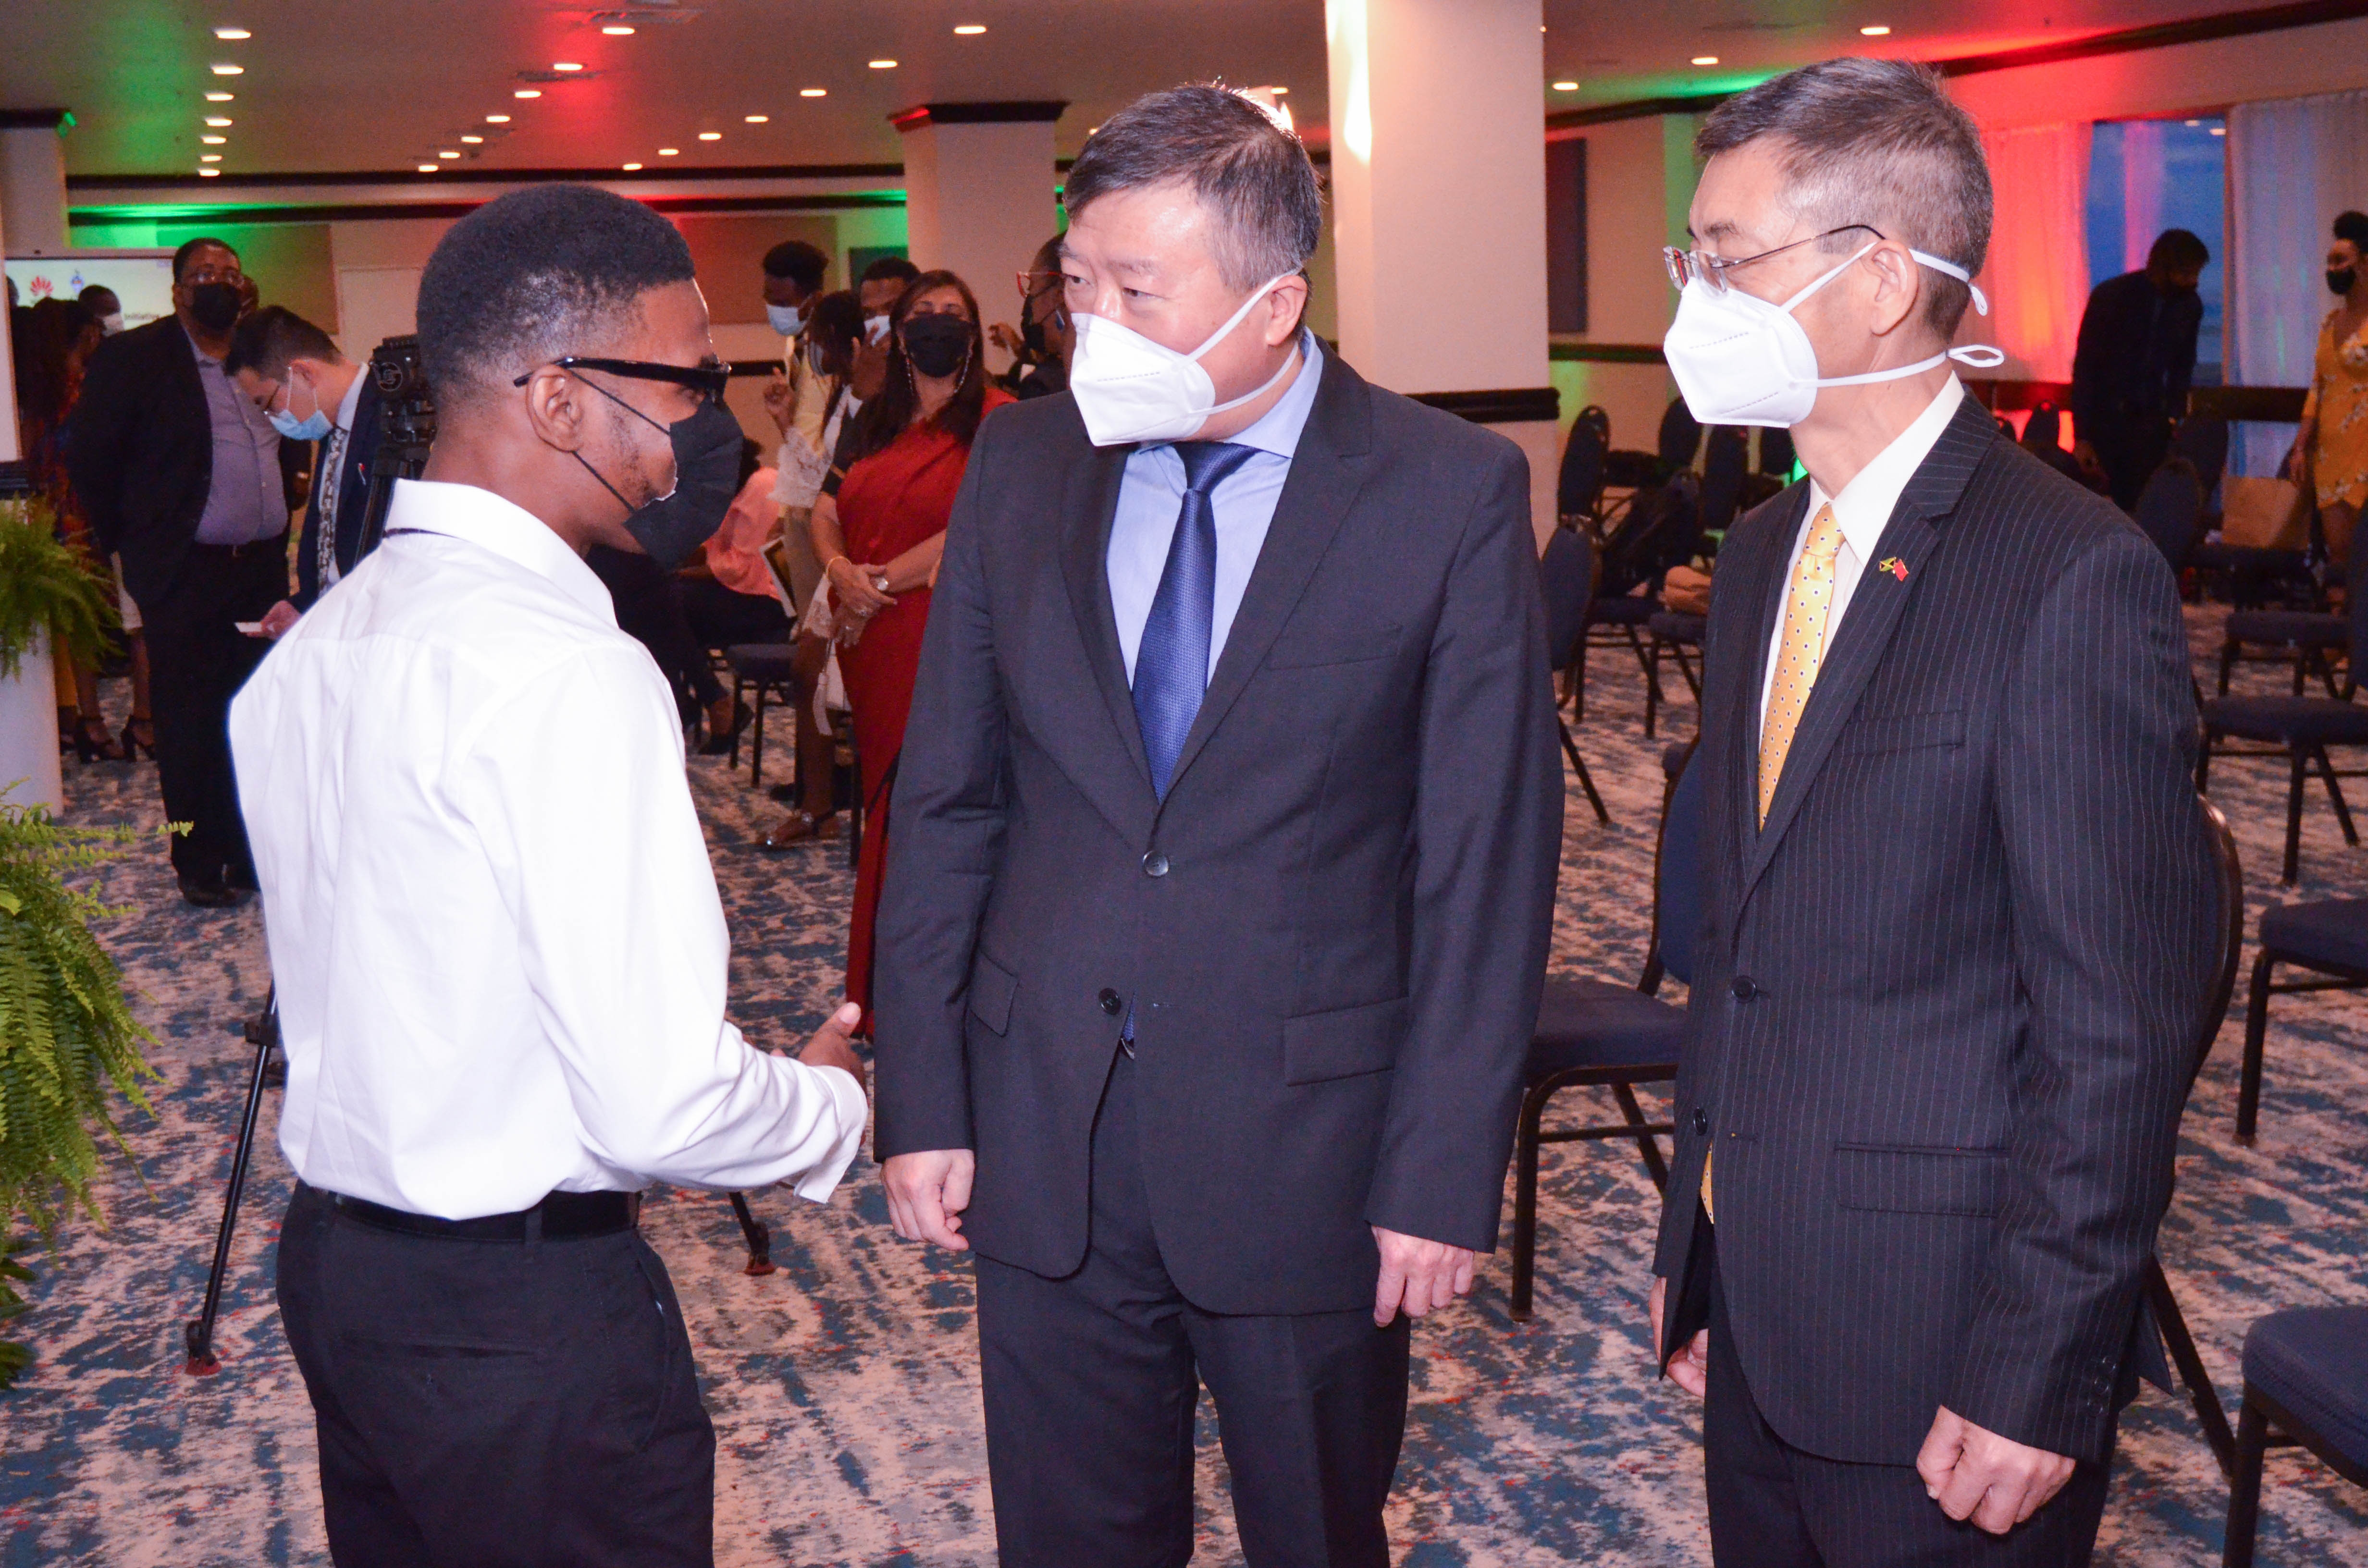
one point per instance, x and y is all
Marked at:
(374, 84)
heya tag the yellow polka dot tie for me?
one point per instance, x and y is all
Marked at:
(1806, 609)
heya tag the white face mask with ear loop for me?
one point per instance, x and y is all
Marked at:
(1740, 359)
(1129, 389)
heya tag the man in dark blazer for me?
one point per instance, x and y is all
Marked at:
(186, 480)
(1959, 898)
(2135, 358)
(1226, 829)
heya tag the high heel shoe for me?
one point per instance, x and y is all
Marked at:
(93, 743)
(139, 735)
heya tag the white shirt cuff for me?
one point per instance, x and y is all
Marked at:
(853, 1113)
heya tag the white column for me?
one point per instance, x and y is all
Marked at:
(978, 193)
(1439, 178)
(29, 188)
(33, 188)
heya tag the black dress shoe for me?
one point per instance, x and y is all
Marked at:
(211, 893)
(241, 880)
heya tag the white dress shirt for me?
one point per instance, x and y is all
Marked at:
(1862, 511)
(1151, 495)
(500, 956)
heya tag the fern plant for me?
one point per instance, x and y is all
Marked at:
(68, 1041)
(46, 586)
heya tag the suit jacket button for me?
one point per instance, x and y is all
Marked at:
(1702, 1122)
(1745, 989)
(1155, 864)
(1111, 1001)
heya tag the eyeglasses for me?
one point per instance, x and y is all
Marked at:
(1686, 265)
(1035, 283)
(208, 274)
(709, 380)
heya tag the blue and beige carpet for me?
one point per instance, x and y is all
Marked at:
(845, 1387)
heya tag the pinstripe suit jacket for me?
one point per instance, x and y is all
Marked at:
(1946, 996)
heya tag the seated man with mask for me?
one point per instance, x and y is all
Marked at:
(500, 956)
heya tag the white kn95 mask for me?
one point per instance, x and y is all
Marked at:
(1129, 389)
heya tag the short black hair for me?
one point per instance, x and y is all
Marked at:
(2352, 226)
(895, 267)
(836, 320)
(1239, 161)
(799, 262)
(2177, 250)
(189, 247)
(266, 341)
(93, 294)
(535, 275)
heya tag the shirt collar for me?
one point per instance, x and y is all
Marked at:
(1863, 508)
(485, 519)
(203, 358)
(351, 401)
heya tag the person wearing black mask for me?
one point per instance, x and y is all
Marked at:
(2330, 450)
(1042, 347)
(183, 477)
(2135, 358)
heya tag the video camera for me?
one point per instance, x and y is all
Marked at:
(407, 429)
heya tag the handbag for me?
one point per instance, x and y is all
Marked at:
(2264, 514)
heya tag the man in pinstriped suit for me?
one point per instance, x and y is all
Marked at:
(1959, 896)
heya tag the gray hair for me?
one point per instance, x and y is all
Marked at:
(1873, 141)
(1249, 171)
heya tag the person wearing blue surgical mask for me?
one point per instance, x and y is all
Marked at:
(291, 370)
(796, 395)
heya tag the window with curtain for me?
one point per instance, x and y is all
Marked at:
(2145, 175)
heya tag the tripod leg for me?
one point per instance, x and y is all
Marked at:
(200, 1335)
(760, 1240)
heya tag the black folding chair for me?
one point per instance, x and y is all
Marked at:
(1579, 485)
(2326, 937)
(1566, 577)
(2170, 512)
(2306, 1386)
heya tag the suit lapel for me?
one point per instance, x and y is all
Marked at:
(1867, 626)
(1088, 505)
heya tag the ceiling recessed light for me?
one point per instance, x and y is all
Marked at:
(212, 141)
(497, 119)
(446, 152)
(814, 92)
(567, 65)
(1565, 86)
(1705, 58)
(210, 157)
(528, 93)
(226, 70)
(631, 167)
(710, 136)
(429, 168)
(2219, 131)
(969, 29)
(474, 141)
(220, 98)
(209, 174)
(232, 34)
(1877, 30)
(618, 30)
(2192, 122)
(669, 151)
(758, 119)
(225, 119)
(884, 66)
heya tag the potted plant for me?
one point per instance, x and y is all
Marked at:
(67, 1038)
(51, 606)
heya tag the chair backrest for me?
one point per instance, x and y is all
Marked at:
(2046, 426)
(1566, 578)
(1681, 434)
(1579, 485)
(1678, 537)
(1724, 465)
(1776, 451)
(2232, 932)
(2170, 511)
(2202, 439)
(1678, 869)
(2355, 607)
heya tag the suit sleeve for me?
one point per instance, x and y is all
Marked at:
(1487, 848)
(2114, 898)
(944, 849)
(95, 443)
(2089, 366)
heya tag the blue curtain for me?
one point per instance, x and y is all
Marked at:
(2293, 163)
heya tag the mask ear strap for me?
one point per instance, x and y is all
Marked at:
(1981, 301)
(628, 506)
(627, 407)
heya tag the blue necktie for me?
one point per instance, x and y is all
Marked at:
(1171, 665)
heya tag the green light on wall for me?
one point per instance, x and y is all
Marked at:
(65, 122)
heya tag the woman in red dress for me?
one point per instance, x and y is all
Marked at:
(879, 526)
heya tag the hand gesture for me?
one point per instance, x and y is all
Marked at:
(1996, 1481)
(280, 619)
(857, 586)
(777, 402)
(1002, 335)
(1419, 1275)
(832, 1044)
(927, 1192)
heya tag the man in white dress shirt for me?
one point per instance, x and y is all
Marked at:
(500, 956)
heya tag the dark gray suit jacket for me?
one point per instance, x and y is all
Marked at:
(1331, 933)
(1946, 999)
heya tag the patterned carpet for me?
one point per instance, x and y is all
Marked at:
(844, 1388)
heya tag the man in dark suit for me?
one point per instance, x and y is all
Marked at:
(2135, 358)
(292, 371)
(1959, 896)
(1228, 827)
(187, 481)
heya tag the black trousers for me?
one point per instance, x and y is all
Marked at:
(1091, 1381)
(197, 660)
(1773, 1505)
(496, 1404)
(717, 617)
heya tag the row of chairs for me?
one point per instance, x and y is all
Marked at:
(2305, 1371)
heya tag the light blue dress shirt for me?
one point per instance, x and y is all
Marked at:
(1151, 495)
(245, 500)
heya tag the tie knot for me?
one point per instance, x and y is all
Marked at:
(1206, 463)
(1825, 535)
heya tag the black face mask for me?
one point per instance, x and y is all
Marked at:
(1031, 334)
(2339, 279)
(937, 344)
(706, 478)
(215, 306)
